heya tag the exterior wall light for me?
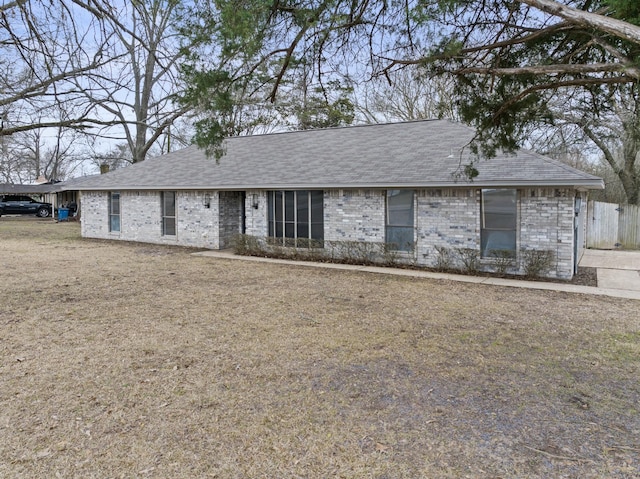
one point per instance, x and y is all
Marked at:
(206, 201)
(254, 201)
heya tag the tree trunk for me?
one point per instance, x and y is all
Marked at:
(631, 187)
(618, 28)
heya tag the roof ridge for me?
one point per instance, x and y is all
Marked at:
(345, 127)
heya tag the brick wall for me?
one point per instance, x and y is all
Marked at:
(450, 218)
(443, 217)
(354, 215)
(256, 217)
(196, 225)
(546, 223)
(447, 218)
(141, 218)
(94, 222)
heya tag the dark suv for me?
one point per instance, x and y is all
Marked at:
(23, 205)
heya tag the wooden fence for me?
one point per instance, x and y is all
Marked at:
(612, 225)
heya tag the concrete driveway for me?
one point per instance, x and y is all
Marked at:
(616, 269)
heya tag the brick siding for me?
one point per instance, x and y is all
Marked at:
(447, 217)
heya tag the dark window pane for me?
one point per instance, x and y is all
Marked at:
(303, 230)
(400, 237)
(399, 228)
(400, 207)
(317, 231)
(114, 223)
(114, 212)
(278, 210)
(270, 207)
(169, 226)
(317, 207)
(289, 230)
(289, 206)
(499, 221)
(493, 241)
(499, 208)
(115, 203)
(302, 204)
(292, 215)
(169, 203)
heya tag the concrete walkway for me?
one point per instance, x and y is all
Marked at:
(602, 290)
(616, 269)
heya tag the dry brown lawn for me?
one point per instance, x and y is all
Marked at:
(133, 360)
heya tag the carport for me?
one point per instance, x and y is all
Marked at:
(62, 193)
(46, 191)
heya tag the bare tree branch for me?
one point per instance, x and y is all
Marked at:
(631, 72)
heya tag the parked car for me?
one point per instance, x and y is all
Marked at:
(24, 205)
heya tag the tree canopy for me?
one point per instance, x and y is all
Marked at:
(511, 60)
(88, 72)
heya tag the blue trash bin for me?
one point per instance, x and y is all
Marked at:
(63, 214)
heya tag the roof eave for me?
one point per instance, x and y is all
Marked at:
(586, 184)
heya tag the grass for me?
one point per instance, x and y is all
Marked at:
(134, 360)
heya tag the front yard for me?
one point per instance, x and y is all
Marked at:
(133, 360)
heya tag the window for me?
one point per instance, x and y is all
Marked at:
(399, 228)
(298, 215)
(498, 222)
(114, 211)
(168, 213)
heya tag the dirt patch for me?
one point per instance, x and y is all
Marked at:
(134, 360)
(585, 277)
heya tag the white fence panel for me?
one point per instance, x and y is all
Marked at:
(602, 227)
(612, 226)
(629, 227)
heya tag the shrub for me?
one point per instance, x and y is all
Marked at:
(470, 259)
(355, 252)
(536, 262)
(390, 255)
(503, 259)
(444, 258)
(248, 245)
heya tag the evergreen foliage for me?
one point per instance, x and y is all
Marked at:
(514, 61)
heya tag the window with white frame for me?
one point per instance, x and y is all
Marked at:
(114, 211)
(168, 213)
(297, 216)
(399, 223)
(498, 222)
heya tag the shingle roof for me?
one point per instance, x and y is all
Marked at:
(425, 153)
(11, 189)
(74, 183)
